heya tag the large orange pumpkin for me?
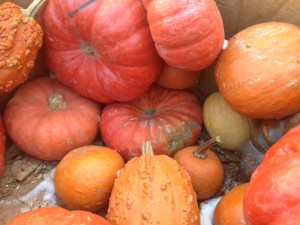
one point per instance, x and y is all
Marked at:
(102, 49)
(259, 72)
(153, 189)
(46, 119)
(58, 216)
(170, 119)
(21, 39)
(187, 34)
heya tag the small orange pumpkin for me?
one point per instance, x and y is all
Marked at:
(229, 210)
(84, 178)
(204, 167)
(153, 189)
(21, 39)
(175, 78)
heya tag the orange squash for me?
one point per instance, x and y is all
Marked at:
(84, 178)
(175, 78)
(229, 210)
(21, 39)
(204, 167)
(153, 189)
(259, 71)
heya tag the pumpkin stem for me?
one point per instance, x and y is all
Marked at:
(56, 101)
(147, 148)
(200, 151)
(34, 8)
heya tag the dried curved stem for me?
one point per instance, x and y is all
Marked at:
(34, 8)
(200, 151)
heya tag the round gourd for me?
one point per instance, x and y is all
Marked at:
(84, 178)
(259, 72)
(101, 49)
(153, 189)
(187, 34)
(175, 78)
(221, 120)
(204, 167)
(274, 184)
(21, 39)
(229, 210)
(170, 119)
(58, 216)
(2, 146)
(46, 119)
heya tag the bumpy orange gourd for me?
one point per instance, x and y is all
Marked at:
(84, 178)
(204, 167)
(21, 39)
(229, 210)
(46, 119)
(153, 189)
(58, 216)
(2, 146)
(259, 72)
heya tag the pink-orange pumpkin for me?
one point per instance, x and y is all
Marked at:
(187, 34)
(170, 119)
(102, 49)
(47, 119)
(2, 146)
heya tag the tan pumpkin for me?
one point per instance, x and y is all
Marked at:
(84, 178)
(153, 189)
(21, 39)
(221, 120)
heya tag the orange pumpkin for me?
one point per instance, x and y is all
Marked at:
(84, 178)
(46, 119)
(21, 39)
(153, 189)
(229, 210)
(175, 78)
(204, 167)
(58, 216)
(259, 71)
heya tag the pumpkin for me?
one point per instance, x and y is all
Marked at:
(175, 78)
(2, 146)
(204, 167)
(58, 216)
(153, 189)
(239, 14)
(221, 120)
(187, 34)
(278, 174)
(99, 59)
(229, 210)
(85, 176)
(46, 119)
(258, 72)
(170, 119)
(21, 39)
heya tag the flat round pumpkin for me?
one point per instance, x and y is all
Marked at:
(259, 71)
(46, 119)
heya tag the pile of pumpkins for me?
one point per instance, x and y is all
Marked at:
(123, 70)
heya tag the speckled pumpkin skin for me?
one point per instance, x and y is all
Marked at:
(21, 39)
(170, 119)
(153, 189)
